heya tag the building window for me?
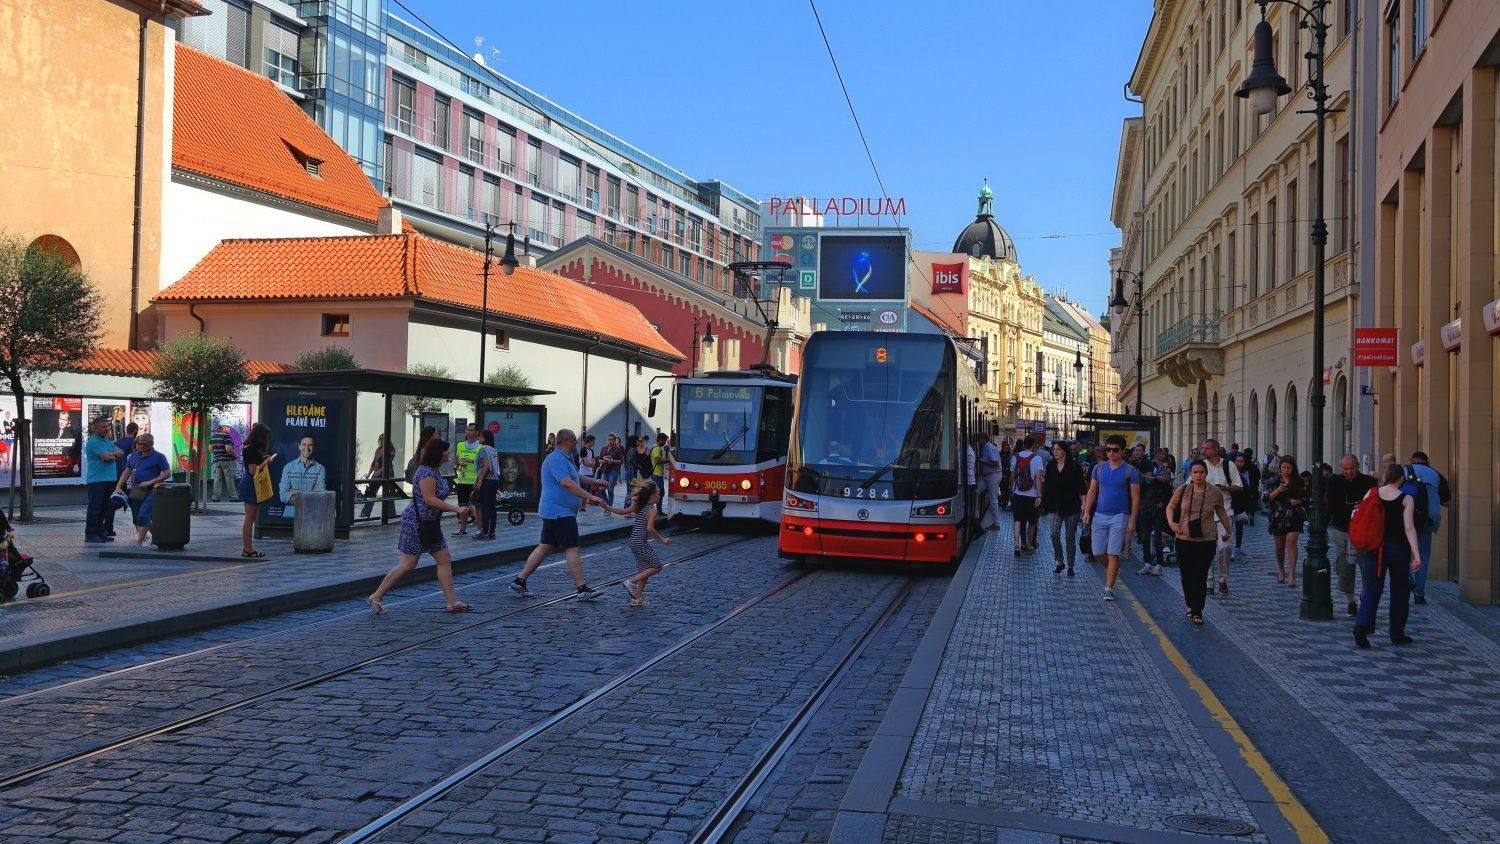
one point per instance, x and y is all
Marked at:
(1253, 255)
(404, 105)
(1418, 27)
(505, 150)
(1342, 223)
(567, 178)
(1393, 53)
(335, 325)
(1273, 258)
(502, 341)
(537, 228)
(442, 111)
(427, 173)
(1231, 281)
(464, 201)
(281, 54)
(555, 229)
(1293, 266)
(491, 201)
(612, 198)
(474, 129)
(591, 189)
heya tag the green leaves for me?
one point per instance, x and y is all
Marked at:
(195, 372)
(508, 376)
(52, 312)
(324, 359)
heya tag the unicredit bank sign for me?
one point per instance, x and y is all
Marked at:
(949, 278)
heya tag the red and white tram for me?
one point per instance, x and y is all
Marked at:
(878, 462)
(732, 433)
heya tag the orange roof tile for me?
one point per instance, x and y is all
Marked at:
(238, 127)
(143, 363)
(406, 265)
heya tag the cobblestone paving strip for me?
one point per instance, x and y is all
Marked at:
(1421, 717)
(799, 801)
(325, 759)
(1046, 703)
(652, 760)
(91, 714)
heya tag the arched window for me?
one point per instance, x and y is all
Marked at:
(1213, 421)
(1340, 430)
(1230, 429)
(1252, 430)
(1290, 439)
(59, 247)
(1271, 438)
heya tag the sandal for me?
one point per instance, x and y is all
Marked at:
(458, 607)
(375, 606)
(253, 555)
(1198, 620)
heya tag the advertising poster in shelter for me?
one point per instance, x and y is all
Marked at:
(7, 437)
(518, 441)
(117, 411)
(309, 436)
(58, 428)
(236, 417)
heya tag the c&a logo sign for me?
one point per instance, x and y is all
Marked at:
(948, 278)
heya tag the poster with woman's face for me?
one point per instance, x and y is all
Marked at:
(518, 441)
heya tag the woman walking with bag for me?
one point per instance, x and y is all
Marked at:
(254, 457)
(1399, 555)
(422, 530)
(1288, 515)
(1192, 512)
(1062, 499)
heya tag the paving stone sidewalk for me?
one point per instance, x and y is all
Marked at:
(101, 599)
(1420, 716)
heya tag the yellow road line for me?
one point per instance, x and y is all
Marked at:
(1287, 803)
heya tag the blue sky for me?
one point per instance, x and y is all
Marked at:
(949, 91)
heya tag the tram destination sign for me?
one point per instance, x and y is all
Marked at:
(712, 392)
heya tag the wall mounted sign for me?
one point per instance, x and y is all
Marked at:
(1492, 317)
(1419, 352)
(1375, 347)
(1452, 335)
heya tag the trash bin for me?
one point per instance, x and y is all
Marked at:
(312, 524)
(171, 526)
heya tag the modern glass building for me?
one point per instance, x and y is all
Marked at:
(457, 145)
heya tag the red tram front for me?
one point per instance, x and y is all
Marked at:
(877, 463)
(732, 433)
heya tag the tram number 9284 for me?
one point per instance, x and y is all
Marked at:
(861, 492)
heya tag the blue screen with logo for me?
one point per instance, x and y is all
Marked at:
(862, 268)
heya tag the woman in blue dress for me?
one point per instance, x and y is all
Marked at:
(421, 529)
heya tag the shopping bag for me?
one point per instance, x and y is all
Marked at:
(263, 488)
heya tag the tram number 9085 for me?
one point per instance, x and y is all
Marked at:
(861, 492)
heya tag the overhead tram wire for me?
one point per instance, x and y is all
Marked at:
(852, 113)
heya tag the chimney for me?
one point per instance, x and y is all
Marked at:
(388, 221)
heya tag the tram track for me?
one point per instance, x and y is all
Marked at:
(722, 819)
(23, 775)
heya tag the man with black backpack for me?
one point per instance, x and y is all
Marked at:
(1024, 494)
(1430, 494)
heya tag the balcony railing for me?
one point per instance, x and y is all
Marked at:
(1187, 332)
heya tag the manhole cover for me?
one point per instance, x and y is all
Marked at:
(1209, 825)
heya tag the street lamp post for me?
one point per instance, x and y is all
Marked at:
(509, 263)
(707, 340)
(1261, 88)
(1140, 329)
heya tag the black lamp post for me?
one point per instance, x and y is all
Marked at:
(509, 263)
(707, 340)
(1261, 88)
(1118, 301)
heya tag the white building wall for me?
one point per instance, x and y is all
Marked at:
(195, 219)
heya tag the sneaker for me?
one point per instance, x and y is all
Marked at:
(637, 602)
(1109, 594)
(460, 532)
(586, 593)
(633, 588)
(518, 586)
(95, 540)
(1146, 569)
(1070, 571)
(1353, 608)
(1156, 570)
(1223, 587)
(1058, 568)
(1420, 599)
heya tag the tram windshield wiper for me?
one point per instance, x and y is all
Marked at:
(870, 481)
(729, 444)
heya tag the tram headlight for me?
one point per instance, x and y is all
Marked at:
(934, 510)
(745, 484)
(683, 482)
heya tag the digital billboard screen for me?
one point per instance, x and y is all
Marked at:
(854, 268)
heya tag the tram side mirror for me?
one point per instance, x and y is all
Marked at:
(651, 405)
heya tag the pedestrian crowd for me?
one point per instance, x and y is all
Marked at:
(1193, 514)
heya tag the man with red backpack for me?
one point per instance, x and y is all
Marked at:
(1343, 492)
(1025, 492)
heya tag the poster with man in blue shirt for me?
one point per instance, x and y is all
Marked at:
(561, 492)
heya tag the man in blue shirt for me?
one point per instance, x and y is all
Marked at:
(148, 469)
(559, 513)
(1437, 496)
(1110, 509)
(989, 482)
(99, 460)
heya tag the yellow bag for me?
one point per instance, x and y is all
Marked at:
(263, 488)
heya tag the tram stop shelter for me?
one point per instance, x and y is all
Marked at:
(327, 429)
(1093, 427)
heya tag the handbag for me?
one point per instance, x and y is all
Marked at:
(1086, 542)
(430, 532)
(139, 493)
(263, 487)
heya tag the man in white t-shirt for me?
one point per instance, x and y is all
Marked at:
(1223, 474)
(1025, 489)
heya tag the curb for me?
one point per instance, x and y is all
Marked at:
(80, 641)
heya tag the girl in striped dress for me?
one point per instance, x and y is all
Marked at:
(644, 501)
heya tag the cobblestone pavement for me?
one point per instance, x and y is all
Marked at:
(313, 762)
(91, 591)
(1046, 704)
(1415, 725)
(797, 803)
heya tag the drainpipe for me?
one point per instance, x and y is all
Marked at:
(583, 421)
(140, 184)
(193, 312)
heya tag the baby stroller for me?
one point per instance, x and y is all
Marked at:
(16, 568)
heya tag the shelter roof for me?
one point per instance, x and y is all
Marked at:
(396, 383)
(407, 266)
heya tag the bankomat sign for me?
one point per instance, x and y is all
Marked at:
(949, 278)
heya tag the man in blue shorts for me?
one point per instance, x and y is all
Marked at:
(1110, 509)
(559, 512)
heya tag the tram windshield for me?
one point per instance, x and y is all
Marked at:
(717, 423)
(876, 419)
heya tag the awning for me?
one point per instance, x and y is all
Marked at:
(396, 384)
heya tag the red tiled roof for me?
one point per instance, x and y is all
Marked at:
(940, 321)
(401, 266)
(143, 363)
(238, 127)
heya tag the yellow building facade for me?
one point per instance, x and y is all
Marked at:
(84, 159)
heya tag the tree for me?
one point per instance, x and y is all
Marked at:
(50, 321)
(508, 376)
(326, 358)
(418, 405)
(199, 375)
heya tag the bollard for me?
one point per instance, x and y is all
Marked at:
(312, 526)
(170, 522)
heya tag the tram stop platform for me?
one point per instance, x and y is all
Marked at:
(106, 596)
(1034, 711)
